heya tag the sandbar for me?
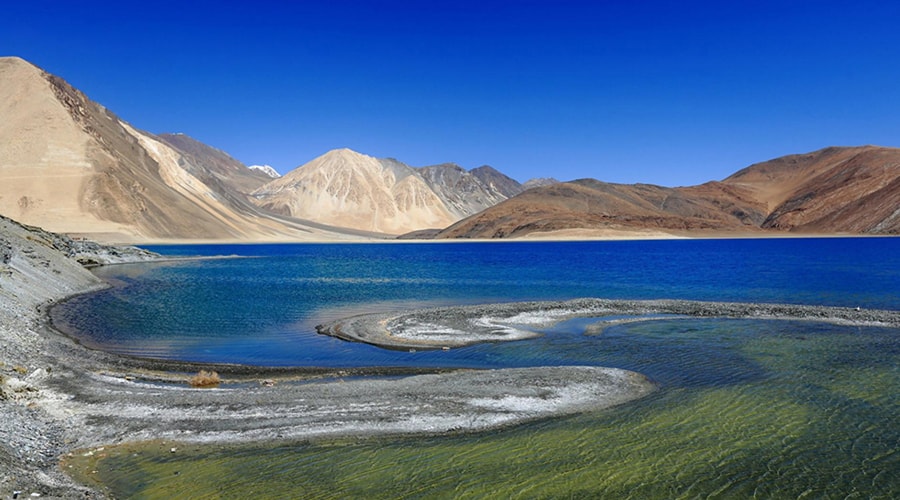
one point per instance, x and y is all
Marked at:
(457, 326)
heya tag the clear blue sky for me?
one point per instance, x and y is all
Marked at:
(663, 92)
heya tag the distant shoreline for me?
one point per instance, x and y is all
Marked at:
(527, 239)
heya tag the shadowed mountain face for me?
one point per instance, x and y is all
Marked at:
(496, 181)
(835, 190)
(467, 193)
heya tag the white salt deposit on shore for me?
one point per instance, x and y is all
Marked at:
(466, 325)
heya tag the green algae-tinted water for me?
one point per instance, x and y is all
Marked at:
(746, 408)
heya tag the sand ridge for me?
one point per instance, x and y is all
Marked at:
(447, 327)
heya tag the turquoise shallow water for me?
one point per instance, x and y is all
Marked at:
(745, 408)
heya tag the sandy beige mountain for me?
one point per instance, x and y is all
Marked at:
(215, 167)
(45, 156)
(832, 191)
(349, 189)
(70, 165)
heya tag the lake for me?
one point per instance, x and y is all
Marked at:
(746, 407)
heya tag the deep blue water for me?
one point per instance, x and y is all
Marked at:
(262, 310)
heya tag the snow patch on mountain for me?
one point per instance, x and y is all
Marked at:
(266, 169)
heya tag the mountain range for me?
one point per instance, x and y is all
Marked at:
(837, 190)
(70, 165)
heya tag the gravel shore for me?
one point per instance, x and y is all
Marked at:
(36, 268)
(57, 397)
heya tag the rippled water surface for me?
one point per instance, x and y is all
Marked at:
(764, 408)
(263, 310)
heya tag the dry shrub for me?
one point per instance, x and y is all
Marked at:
(205, 379)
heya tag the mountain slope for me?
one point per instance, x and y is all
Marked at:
(588, 204)
(853, 190)
(497, 181)
(835, 190)
(70, 165)
(215, 167)
(467, 193)
(349, 189)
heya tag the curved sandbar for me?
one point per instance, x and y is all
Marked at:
(114, 410)
(447, 327)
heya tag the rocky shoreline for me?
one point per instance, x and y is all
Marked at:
(58, 397)
(36, 268)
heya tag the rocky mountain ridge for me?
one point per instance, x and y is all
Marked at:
(850, 190)
(349, 189)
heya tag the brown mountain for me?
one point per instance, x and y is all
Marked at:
(591, 205)
(70, 165)
(835, 190)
